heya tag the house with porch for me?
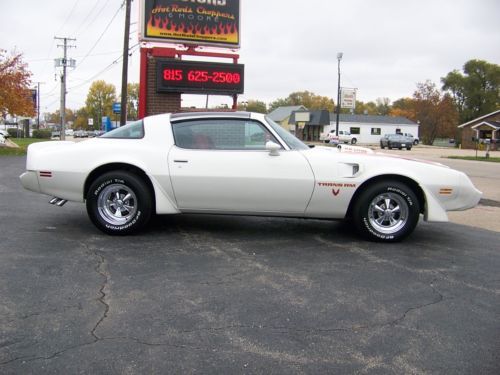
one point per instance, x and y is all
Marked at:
(482, 129)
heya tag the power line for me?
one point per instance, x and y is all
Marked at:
(69, 15)
(102, 34)
(88, 16)
(132, 50)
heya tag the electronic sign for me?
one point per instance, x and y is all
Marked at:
(199, 77)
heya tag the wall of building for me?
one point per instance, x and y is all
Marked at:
(366, 135)
(157, 103)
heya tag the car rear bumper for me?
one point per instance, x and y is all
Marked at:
(29, 181)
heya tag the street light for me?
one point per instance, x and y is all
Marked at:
(339, 57)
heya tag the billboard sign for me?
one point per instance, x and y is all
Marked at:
(200, 22)
(348, 98)
(199, 77)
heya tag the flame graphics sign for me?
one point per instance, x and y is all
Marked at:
(192, 21)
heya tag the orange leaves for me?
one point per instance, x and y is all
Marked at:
(15, 94)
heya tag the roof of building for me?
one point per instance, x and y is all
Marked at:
(281, 113)
(494, 113)
(494, 124)
(372, 119)
(319, 117)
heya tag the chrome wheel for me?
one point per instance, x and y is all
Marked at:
(388, 213)
(117, 204)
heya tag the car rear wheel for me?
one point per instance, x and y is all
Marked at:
(119, 203)
(386, 211)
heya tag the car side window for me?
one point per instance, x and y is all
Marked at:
(221, 134)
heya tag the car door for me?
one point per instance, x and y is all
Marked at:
(221, 165)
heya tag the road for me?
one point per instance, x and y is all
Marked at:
(206, 294)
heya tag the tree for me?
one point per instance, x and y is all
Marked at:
(55, 117)
(100, 101)
(132, 101)
(253, 106)
(477, 91)
(15, 81)
(369, 108)
(404, 107)
(82, 119)
(383, 106)
(306, 98)
(435, 112)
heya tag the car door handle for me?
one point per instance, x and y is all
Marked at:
(181, 161)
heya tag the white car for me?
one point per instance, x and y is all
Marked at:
(240, 163)
(343, 137)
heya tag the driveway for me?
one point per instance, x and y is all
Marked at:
(210, 295)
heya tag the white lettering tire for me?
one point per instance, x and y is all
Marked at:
(119, 203)
(386, 211)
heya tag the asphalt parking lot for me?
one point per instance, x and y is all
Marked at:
(210, 295)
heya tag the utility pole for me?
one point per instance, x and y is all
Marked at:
(38, 104)
(123, 110)
(64, 63)
(339, 57)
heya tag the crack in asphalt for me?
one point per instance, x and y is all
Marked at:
(101, 269)
(433, 272)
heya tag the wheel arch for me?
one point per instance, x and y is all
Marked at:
(412, 184)
(119, 167)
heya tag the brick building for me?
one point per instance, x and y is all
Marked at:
(486, 127)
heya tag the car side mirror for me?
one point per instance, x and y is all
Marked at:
(273, 148)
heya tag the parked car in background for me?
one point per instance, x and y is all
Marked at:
(95, 133)
(399, 141)
(80, 134)
(55, 134)
(4, 133)
(69, 132)
(215, 163)
(343, 137)
(414, 140)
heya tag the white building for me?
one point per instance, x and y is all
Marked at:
(369, 128)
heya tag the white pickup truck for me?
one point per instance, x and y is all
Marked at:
(343, 137)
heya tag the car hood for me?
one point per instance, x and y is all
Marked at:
(368, 154)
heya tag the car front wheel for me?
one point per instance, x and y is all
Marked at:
(354, 141)
(119, 203)
(386, 211)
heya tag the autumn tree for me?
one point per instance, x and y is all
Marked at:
(82, 119)
(476, 92)
(15, 81)
(435, 112)
(132, 101)
(362, 108)
(55, 117)
(306, 98)
(404, 107)
(253, 106)
(100, 101)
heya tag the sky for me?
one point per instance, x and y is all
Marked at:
(388, 46)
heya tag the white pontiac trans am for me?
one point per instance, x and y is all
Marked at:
(240, 163)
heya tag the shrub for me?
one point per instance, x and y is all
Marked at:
(16, 133)
(42, 134)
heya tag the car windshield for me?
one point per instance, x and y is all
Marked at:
(292, 141)
(134, 130)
